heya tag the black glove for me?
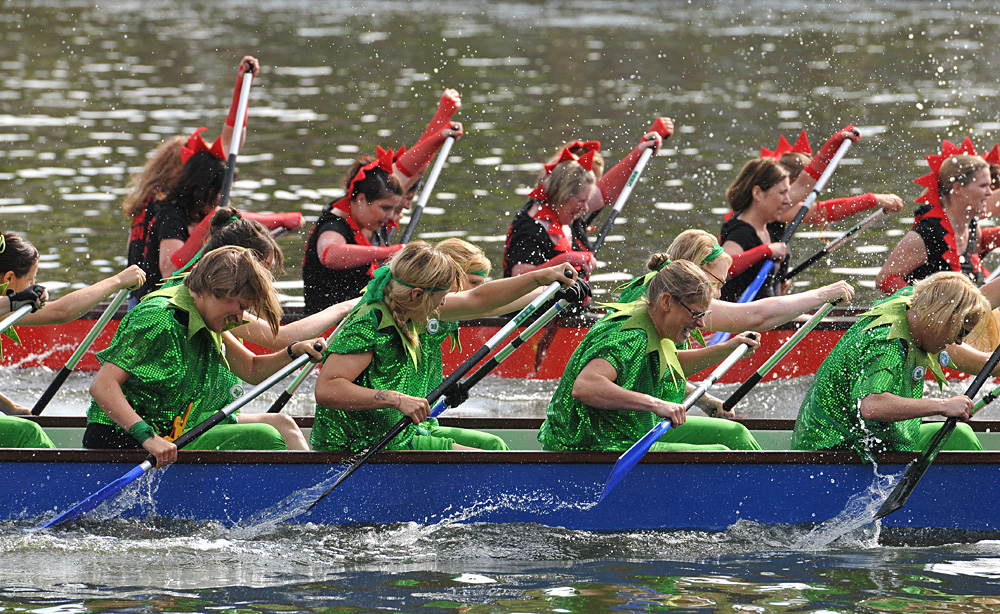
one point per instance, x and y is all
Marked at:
(456, 395)
(28, 296)
(577, 293)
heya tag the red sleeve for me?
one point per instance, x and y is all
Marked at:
(839, 208)
(195, 242)
(744, 260)
(892, 283)
(989, 239)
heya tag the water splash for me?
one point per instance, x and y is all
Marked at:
(857, 519)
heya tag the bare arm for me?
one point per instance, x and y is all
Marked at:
(107, 392)
(254, 368)
(498, 293)
(697, 360)
(259, 332)
(765, 314)
(583, 260)
(887, 407)
(79, 302)
(968, 359)
(335, 389)
(909, 254)
(595, 386)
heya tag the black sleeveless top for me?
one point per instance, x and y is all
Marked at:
(740, 232)
(321, 285)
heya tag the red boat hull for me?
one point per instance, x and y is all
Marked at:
(51, 346)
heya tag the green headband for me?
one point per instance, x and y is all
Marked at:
(375, 291)
(482, 273)
(712, 255)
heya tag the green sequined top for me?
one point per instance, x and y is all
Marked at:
(173, 359)
(636, 289)
(396, 365)
(626, 338)
(876, 355)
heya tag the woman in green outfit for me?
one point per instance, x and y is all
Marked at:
(626, 375)
(173, 363)
(387, 357)
(868, 393)
(18, 432)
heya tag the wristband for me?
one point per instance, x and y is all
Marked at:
(141, 431)
(291, 354)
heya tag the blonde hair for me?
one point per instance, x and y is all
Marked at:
(418, 265)
(155, 177)
(957, 169)
(566, 180)
(764, 173)
(948, 301)
(233, 271)
(693, 245)
(684, 281)
(468, 257)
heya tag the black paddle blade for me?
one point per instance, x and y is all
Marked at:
(903, 490)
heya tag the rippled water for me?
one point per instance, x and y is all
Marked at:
(89, 88)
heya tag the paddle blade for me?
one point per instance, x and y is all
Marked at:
(903, 490)
(631, 457)
(98, 497)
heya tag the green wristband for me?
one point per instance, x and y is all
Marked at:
(141, 431)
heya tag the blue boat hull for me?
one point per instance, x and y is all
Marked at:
(696, 491)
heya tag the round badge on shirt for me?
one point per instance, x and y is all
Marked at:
(918, 373)
(944, 359)
(236, 391)
(433, 326)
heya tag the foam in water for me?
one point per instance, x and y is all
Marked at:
(858, 514)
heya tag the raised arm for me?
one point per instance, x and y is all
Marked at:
(765, 314)
(79, 302)
(259, 332)
(498, 293)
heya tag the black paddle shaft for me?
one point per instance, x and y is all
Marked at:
(51, 390)
(897, 498)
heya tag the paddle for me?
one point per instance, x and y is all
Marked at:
(12, 318)
(80, 351)
(139, 470)
(425, 194)
(985, 400)
(800, 334)
(581, 292)
(832, 245)
(765, 271)
(634, 454)
(446, 385)
(234, 145)
(897, 498)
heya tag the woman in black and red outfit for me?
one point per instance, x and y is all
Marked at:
(945, 235)
(551, 228)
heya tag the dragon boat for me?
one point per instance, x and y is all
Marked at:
(543, 357)
(666, 491)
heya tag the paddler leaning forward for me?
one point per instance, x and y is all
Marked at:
(626, 374)
(868, 393)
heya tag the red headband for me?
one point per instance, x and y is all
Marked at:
(801, 146)
(930, 180)
(586, 161)
(196, 145)
(383, 160)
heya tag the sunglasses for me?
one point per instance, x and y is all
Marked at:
(718, 282)
(694, 314)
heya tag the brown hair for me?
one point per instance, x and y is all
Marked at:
(229, 227)
(957, 169)
(467, 256)
(794, 162)
(418, 265)
(233, 271)
(376, 185)
(155, 177)
(566, 179)
(764, 173)
(684, 281)
(18, 255)
(198, 184)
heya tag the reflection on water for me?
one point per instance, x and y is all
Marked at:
(89, 89)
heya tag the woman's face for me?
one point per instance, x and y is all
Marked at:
(473, 281)
(219, 314)
(937, 336)
(679, 320)
(375, 214)
(774, 201)
(28, 279)
(973, 195)
(717, 271)
(576, 205)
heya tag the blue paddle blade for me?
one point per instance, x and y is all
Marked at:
(631, 457)
(97, 498)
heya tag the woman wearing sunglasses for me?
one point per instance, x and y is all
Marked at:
(626, 375)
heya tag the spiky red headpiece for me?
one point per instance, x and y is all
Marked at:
(383, 160)
(930, 180)
(586, 161)
(196, 145)
(801, 146)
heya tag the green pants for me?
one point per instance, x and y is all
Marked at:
(468, 437)
(699, 433)
(239, 437)
(21, 433)
(962, 438)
